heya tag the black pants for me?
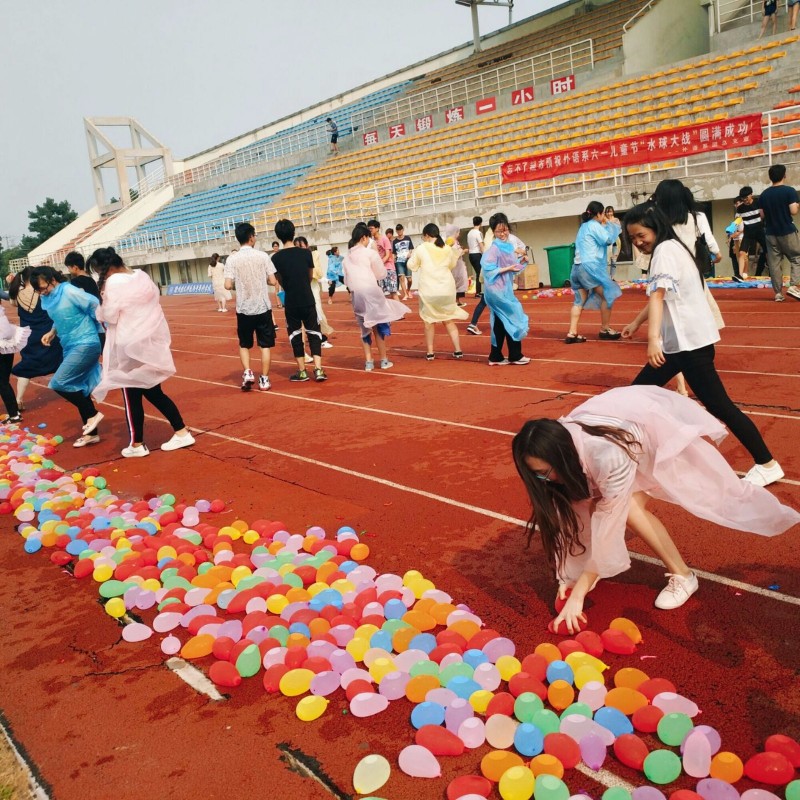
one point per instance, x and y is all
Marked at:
(296, 319)
(82, 402)
(698, 368)
(6, 392)
(475, 260)
(134, 410)
(500, 335)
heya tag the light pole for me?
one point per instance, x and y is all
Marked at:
(473, 6)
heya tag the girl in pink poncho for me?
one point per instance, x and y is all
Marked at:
(363, 269)
(590, 475)
(136, 356)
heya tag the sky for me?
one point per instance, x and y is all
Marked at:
(193, 72)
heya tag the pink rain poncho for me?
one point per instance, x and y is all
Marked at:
(363, 269)
(676, 465)
(137, 353)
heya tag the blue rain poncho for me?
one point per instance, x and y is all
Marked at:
(590, 269)
(73, 313)
(498, 290)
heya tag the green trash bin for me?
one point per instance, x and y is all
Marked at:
(559, 261)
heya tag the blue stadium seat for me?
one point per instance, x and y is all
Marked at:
(212, 214)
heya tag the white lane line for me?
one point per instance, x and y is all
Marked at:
(37, 791)
(350, 406)
(396, 374)
(456, 381)
(484, 512)
(604, 777)
(193, 677)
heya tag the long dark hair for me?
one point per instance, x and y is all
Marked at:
(101, 261)
(359, 232)
(22, 278)
(651, 216)
(553, 502)
(46, 274)
(592, 210)
(675, 201)
(432, 230)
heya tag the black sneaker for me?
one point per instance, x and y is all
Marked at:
(299, 377)
(319, 375)
(737, 279)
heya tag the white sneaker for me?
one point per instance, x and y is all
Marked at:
(248, 379)
(474, 330)
(87, 438)
(386, 364)
(779, 298)
(326, 345)
(677, 591)
(139, 451)
(521, 361)
(759, 475)
(224, 310)
(502, 363)
(176, 442)
(369, 366)
(793, 291)
(264, 384)
(309, 360)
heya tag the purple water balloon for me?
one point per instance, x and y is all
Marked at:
(393, 685)
(715, 789)
(593, 751)
(696, 755)
(456, 713)
(325, 683)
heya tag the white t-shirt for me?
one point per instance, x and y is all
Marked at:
(474, 240)
(688, 233)
(688, 323)
(248, 269)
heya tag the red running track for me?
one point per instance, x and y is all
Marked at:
(418, 457)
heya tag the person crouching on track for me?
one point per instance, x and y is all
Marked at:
(591, 474)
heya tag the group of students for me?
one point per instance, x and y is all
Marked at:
(66, 326)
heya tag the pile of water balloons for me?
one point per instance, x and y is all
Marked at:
(305, 615)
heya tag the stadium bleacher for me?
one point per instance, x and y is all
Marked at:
(699, 90)
(207, 215)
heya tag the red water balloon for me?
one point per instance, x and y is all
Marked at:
(617, 642)
(770, 768)
(631, 750)
(469, 784)
(439, 741)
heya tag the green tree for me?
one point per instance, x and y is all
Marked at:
(46, 220)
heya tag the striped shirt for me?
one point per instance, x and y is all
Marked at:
(751, 217)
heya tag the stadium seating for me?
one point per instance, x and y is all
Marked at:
(208, 215)
(700, 90)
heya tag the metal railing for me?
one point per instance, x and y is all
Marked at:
(526, 72)
(256, 153)
(468, 186)
(732, 12)
(643, 10)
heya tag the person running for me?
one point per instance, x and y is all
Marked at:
(589, 277)
(334, 273)
(78, 276)
(316, 290)
(13, 339)
(380, 241)
(252, 272)
(682, 332)
(73, 313)
(451, 233)
(294, 268)
(500, 262)
(136, 355)
(35, 360)
(475, 249)
(374, 312)
(591, 474)
(436, 288)
(216, 271)
(402, 247)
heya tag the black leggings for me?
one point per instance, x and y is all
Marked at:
(501, 335)
(6, 392)
(332, 286)
(698, 368)
(134, 410)
(82, 402)
(475, 260)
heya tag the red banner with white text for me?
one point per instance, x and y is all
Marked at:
(644, 149)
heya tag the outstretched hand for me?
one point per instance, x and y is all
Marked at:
(572, 613)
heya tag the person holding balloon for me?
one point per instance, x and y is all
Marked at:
(591, 474)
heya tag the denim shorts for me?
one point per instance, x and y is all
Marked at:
(402, 266)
